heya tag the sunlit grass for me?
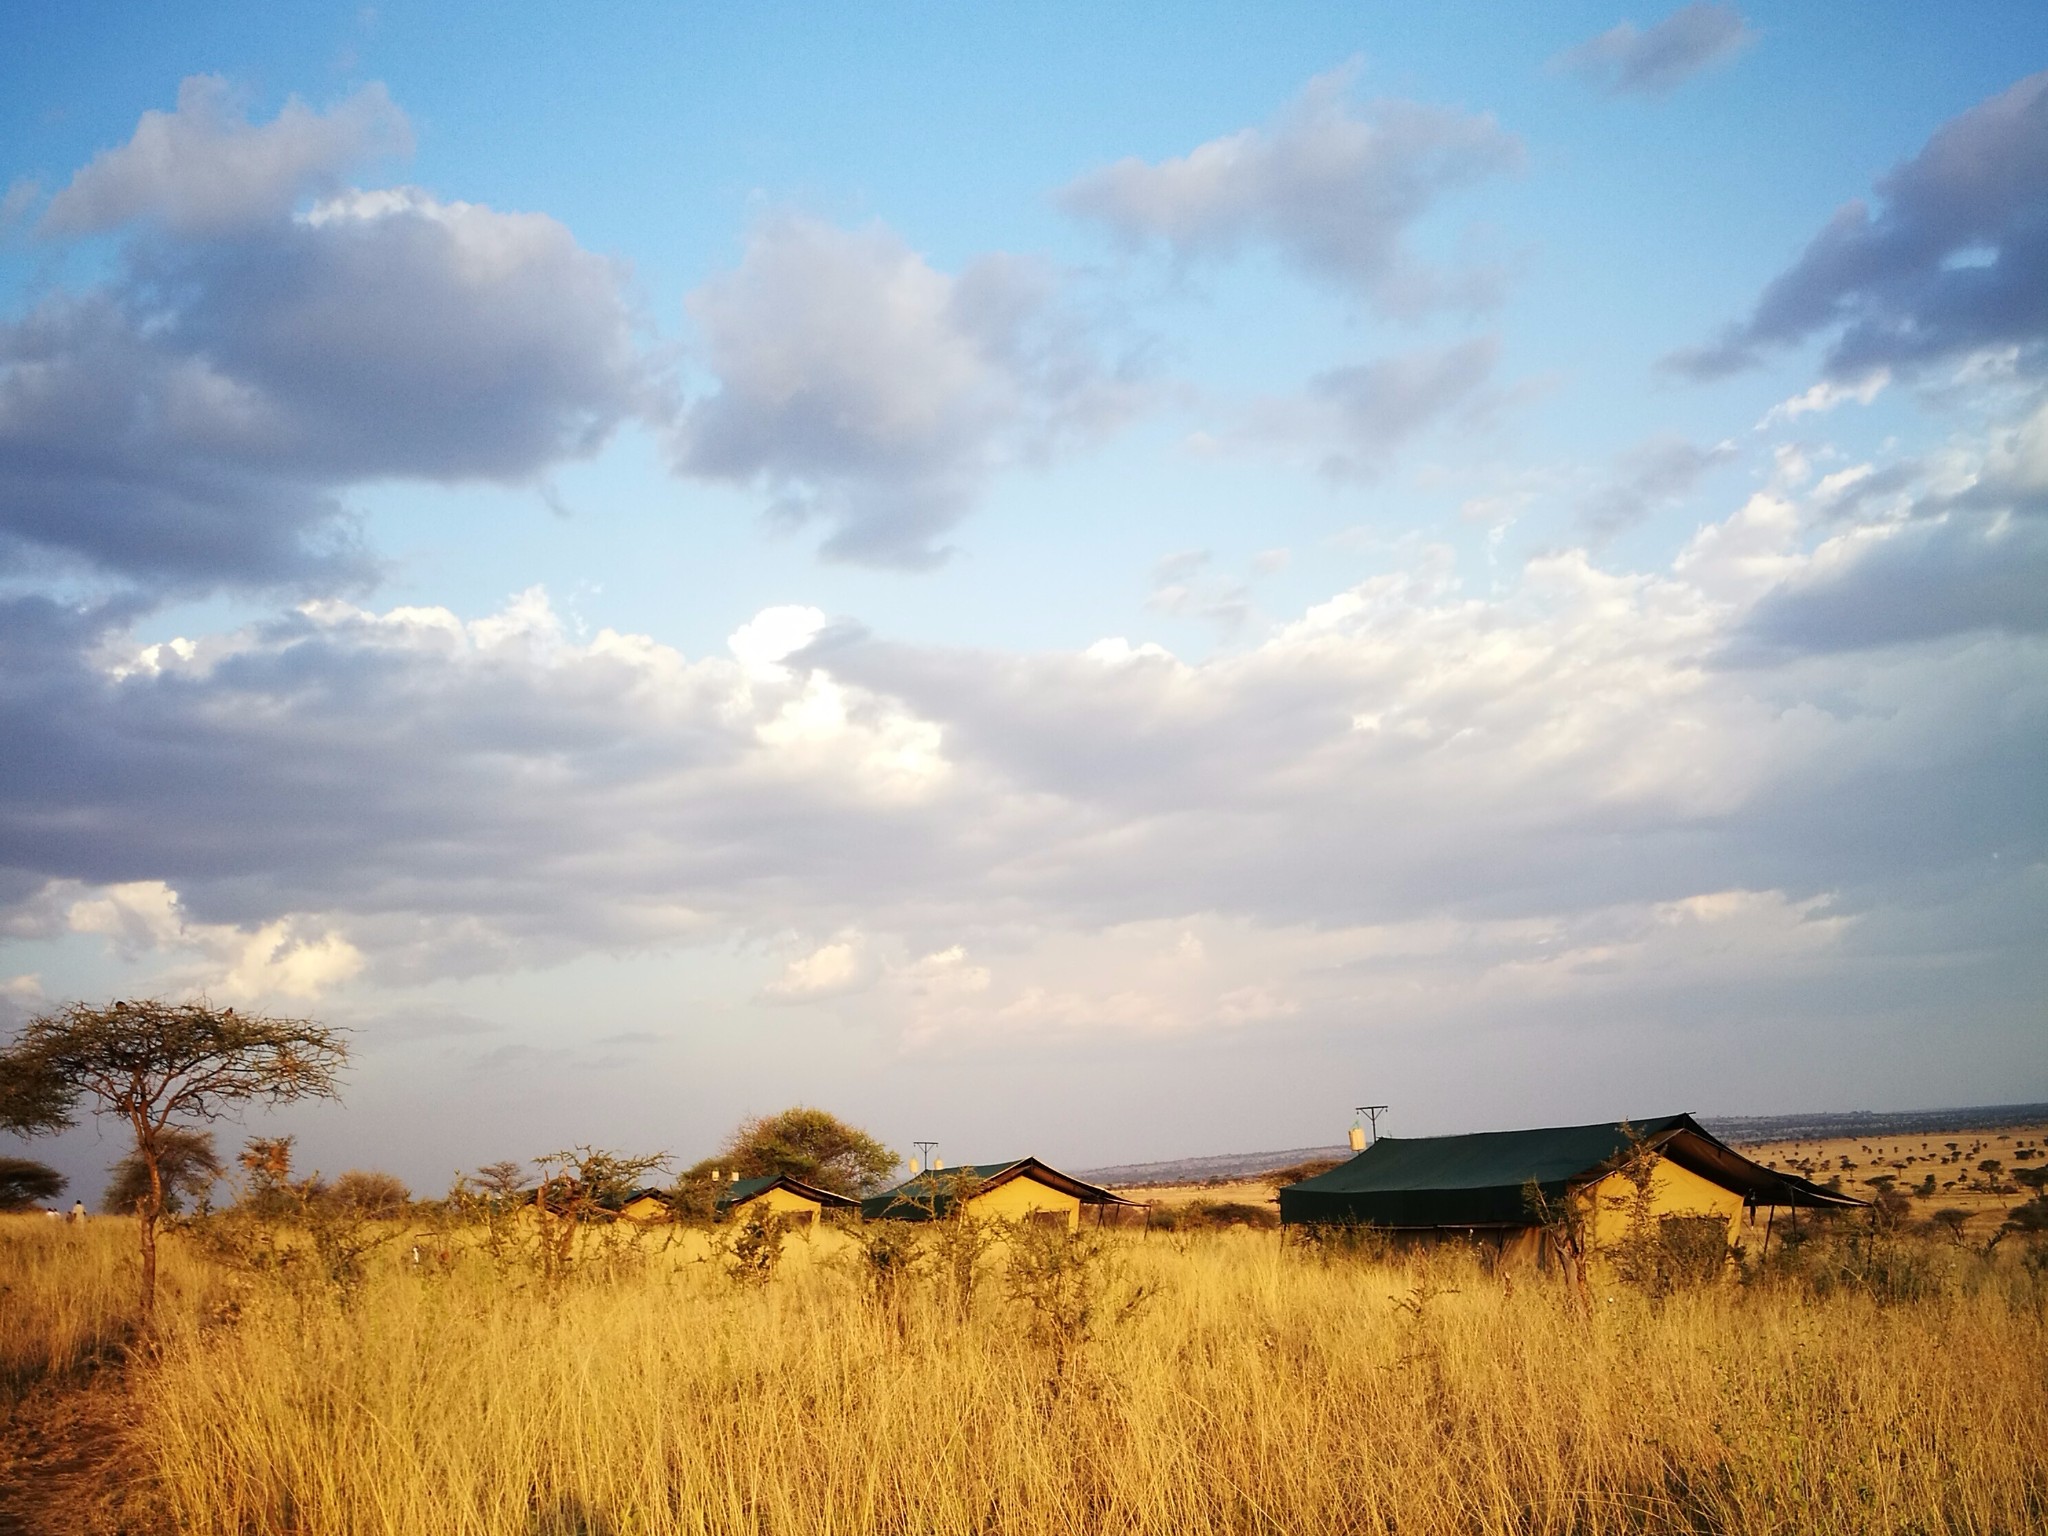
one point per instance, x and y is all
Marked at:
(69, 1290)
(1252, 1389)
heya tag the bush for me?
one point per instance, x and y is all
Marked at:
(1863, 1257)
(753, 1248)
(891, 1253)
(1067, 1282)
(2029, 1218)
(1341, 1241)
(368, 1193)
(1213, 1216)
(1296, 1172)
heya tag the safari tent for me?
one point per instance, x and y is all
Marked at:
(645, 1205)
(1481, 1185)
(779, 1195)
(1023, 1190)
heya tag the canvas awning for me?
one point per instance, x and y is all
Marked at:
(1482, 1180)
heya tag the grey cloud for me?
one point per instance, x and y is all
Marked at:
(1651, 475)
(1183, 586)
(1354, 418)
(458, 796)
(1919, 550)
(409, 1026)
(1928, 579)
(861, 387)
(1955, 260)
(105, 458)
(1380, 404)
(197, 419)
(1627, 60)
(1870, 494)
(204, 170)
(1335, 190)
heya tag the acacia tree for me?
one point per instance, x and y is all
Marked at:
(161, 1067)
(806, 1144)
(24, 1183)
(579, 1188)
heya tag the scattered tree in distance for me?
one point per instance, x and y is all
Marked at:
(25, 1183)
(806, 1144)
(368, 1192)
(186, 1164)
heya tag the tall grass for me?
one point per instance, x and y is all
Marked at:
(69, 1294)
(1228, 1384)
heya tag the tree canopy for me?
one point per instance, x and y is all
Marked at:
(159, 1062)
(806, 1144)
(25, 1183)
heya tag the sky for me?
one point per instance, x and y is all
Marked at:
(1105, 583)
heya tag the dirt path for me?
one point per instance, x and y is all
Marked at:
(68, 1465)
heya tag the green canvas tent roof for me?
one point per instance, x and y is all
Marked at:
(925, 1195)
(1481, 1180)
(739, 1191)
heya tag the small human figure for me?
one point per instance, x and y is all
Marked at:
(77, 1211)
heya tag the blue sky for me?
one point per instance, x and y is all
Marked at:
(1103, 584)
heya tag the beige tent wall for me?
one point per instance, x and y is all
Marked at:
(1019, 1198)
(1674, 1191)
(777, 1202)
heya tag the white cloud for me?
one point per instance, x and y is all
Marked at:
(827, 971)
(1825, 396)
(773, 635)
(1740, 558)
(289, 957)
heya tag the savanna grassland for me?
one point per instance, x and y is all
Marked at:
(678, 1381)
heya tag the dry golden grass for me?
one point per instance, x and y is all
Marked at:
(1254, 1388)
(1245, 1191)
(68, 1293)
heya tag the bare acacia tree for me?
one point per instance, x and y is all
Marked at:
(160, 1066)
(581, 1188)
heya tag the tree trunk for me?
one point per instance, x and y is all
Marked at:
(148, 1308)
(148, 1211)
